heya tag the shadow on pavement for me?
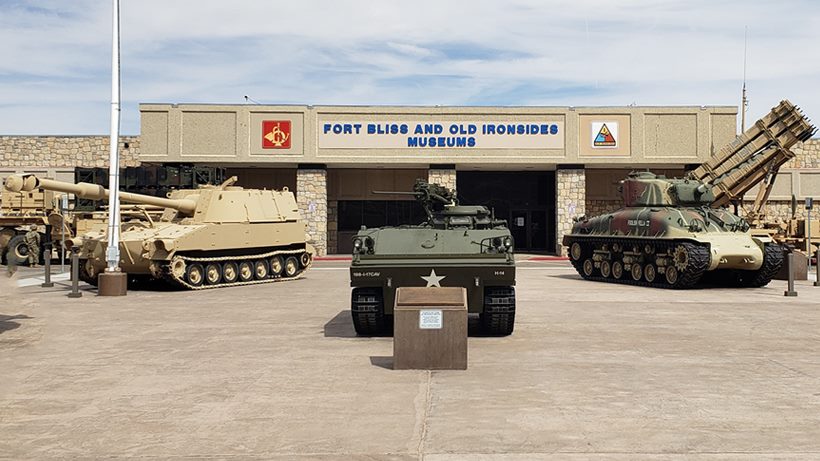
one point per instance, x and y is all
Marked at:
(340, 326)
(383, 361)
(6, 323)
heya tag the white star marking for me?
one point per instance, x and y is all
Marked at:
(433, 280)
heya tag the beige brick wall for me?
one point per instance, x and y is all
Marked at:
(446, 178)
(570, 196)
(65, 151)
(807, 155)
(311, 195)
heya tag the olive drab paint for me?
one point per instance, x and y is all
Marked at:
(458, 246)
(668, 235)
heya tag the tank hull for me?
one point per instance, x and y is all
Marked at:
(472, 275)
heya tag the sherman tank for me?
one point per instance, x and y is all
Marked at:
(210, 237)
(458, 246)
(667, 235)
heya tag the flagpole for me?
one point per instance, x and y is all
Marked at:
(113, 252)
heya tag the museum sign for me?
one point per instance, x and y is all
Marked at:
(441, 135)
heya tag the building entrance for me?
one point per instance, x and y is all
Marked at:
(525, 199)
(352, 203)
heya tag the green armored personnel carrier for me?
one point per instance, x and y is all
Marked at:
(667, 235)
(460, 246)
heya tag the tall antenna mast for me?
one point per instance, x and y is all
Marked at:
(743, 101)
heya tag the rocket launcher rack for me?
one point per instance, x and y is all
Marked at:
(755, 156)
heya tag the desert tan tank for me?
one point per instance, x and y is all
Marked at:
(214, 236)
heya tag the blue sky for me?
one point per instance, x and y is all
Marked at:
(55, 55)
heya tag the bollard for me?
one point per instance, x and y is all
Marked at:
(817, 268)
(47, 259)
(75, 276)
(790, 270)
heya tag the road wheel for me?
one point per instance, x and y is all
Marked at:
(213, 274)
(637, 271)
(276, 266)
(260, 269)
(671, 274)
(291, 266)
(195, 274)
(575, 251)
(606, 269)
(589, 268)
(230, 272)
(245, 271)
(305, 258)
(649, 273)
(617, 270)
(18, 254)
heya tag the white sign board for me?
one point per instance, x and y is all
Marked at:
(431, 319)
(440, 134)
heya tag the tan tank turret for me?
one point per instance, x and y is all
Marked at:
(214, 236)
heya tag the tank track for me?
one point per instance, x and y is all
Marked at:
(693, 260)
(498, 318)
(169, 276)
(367, 310)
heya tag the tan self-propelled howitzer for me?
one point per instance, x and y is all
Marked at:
(214, 236)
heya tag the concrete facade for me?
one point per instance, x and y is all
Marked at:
(291, 144)
(443, 140)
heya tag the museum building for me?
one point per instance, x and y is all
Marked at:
(537, 167)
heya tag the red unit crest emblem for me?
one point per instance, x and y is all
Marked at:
(276, 134)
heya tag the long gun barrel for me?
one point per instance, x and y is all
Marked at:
(29, 182)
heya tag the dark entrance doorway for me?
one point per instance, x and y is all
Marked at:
(525, 199)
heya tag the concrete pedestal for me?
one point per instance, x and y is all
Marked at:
(112, 284)
(430, 329)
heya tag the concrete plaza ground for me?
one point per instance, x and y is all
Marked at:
(593, 371)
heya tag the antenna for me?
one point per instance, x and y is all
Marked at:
(744, 103)
(248, 98)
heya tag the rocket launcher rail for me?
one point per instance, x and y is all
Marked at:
(755, 155)
(29, 182)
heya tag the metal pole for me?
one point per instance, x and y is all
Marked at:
(75, 275)
(790, 269)
(63, 211)
(47, 259)
(113, 251)
(808, 237)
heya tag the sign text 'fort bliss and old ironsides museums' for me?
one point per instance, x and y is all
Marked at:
(441, 135)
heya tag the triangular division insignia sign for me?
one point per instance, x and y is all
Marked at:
(604, 138)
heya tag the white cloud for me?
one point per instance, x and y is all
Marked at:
(55, 64)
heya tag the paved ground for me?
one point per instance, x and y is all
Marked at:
(593, 371)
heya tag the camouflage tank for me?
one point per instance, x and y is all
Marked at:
(458, 246)
(214, 236)
(667, 235)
